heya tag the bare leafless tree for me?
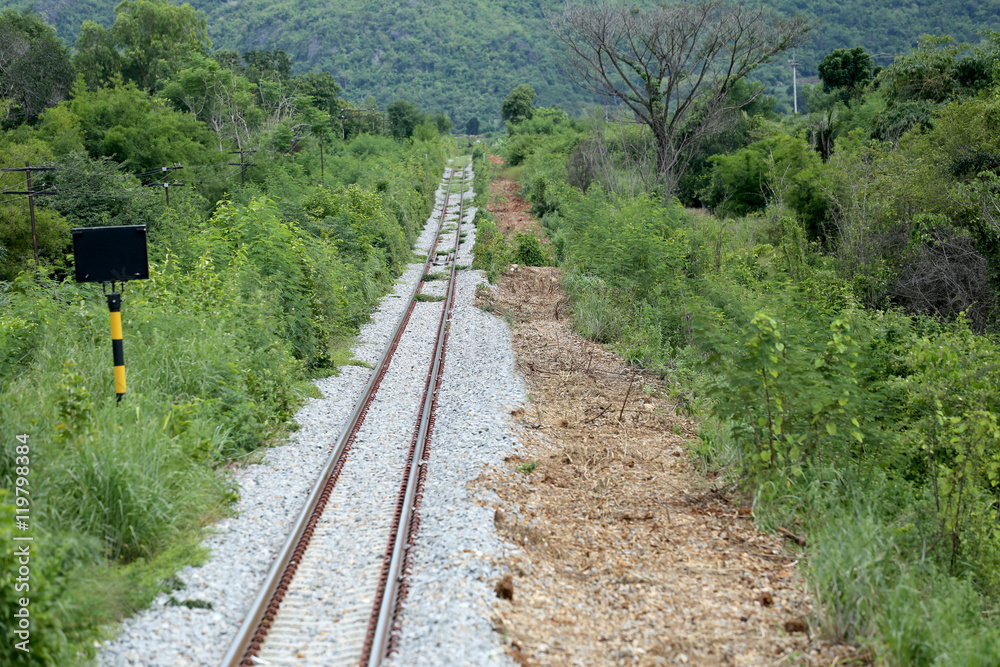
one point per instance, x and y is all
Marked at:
(673, 65)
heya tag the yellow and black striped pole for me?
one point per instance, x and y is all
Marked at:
(117, 347)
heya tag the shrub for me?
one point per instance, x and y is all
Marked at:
(529, 251)
(491, 253)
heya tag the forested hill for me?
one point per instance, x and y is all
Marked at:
(463, 57)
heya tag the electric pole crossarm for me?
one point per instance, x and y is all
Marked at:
(242, 163)
(34, 193)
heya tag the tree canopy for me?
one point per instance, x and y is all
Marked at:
(404, 116)
(148, 40)
(519, 104)
(848, 70)
(35, 69)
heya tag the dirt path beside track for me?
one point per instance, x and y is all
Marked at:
(626, 554)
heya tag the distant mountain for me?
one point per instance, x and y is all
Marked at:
(462, 58)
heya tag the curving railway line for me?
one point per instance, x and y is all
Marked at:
(333, 594)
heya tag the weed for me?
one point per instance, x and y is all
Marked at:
(428, 297)
(190, 604)
(437, 275)
(527, 468)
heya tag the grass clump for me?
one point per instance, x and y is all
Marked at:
(428, 297)
(527, 468)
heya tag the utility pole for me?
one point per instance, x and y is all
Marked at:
(31, 200)
(243, 164)
(355, 115)
(795, 87)
(164, 183)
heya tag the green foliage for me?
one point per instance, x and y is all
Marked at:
(789, 389)
(519, 104)
(35, 70)
(61, 567)
(361, 222)
(909, 613)
(849, 70)
(529, 251)
(95, 193)
(132, 128)
(492, 254)
(781, 169)
(938, 70)
(483, 49)
(148, 39)
(952, 389)
(404, 117)
(52, 234)
(527, 468)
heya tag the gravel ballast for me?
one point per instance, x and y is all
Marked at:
(446, 616)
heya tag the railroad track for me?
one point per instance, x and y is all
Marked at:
(334, 592)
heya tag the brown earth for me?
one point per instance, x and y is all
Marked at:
(512, 212)
(626, 554)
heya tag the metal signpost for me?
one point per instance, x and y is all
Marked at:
(112, 255)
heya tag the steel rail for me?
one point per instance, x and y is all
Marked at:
(390, 591)
(249, 638)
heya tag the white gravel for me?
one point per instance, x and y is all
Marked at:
(445, 620)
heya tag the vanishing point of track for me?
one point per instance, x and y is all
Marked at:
(366, 637)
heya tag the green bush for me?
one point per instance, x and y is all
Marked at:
(529, 251)
(491, 253)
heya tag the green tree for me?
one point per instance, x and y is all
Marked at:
(404, 116)
(97, 58)
(323, 89)
(939, 70)
(150, 39)
(220, 97)
(781, 170)
(35, 68)
(425, 131)
(848, 71)
(132, 128)
(443, 123)
(472, 126)
(519, 104)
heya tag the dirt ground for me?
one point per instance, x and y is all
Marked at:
(512, 212)
(626, 554)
